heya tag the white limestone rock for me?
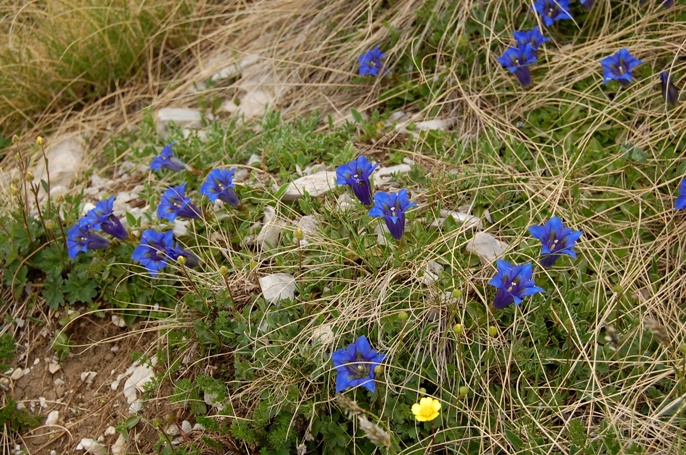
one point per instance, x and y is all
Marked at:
(278, 286)
(182, 117)
(270, 233)
(315, 185)
(66, 160)
(487, 247)
(52, 418)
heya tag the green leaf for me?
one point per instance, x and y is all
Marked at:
(50, 261)
(356, 115)
(52, 292)
(80, 288)
(515, 440)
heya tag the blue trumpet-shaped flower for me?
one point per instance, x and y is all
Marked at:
(680, 202)
(355, 365)
(587, 4)
(356, 175)
(80, 239)
(618, 67)
(513, 282)
(219, 185)
(533, 37)
(103, 218)
(556, 240)
(174, 203)
(152, 250)
(167, 160)
(670, 92)
(392, 207)
(370, 62)
(552, 11)
(517, 61)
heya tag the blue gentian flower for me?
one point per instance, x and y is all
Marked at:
(618, 67)
(556, 239)
(356, 175)
(392, 207)
(152, 250)
(355, 365)
(670, 92)
(174, 203)
(80, 239)
(102, 218)
(191, 259)
(513, 283)
(219, 185)
(533, 37)
(680, 202)
(370, 62)
(552, 10)
(517, 61)
(167, 160)
(587, 4)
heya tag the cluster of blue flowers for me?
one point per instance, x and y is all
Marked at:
(513, 282)
(82, 236)
(617, 67)
(389, 206)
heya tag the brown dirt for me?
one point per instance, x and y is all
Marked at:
(85, 410)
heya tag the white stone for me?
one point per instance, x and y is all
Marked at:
(388, 171)
(344, 201)
(4, 384)
(436, 124)
(52, 418)
(20, 406)
(66, 159)
(119, 447)
(110, 431)
(236, 68)
(380, 229)
(17, 374)
(186, 426)
(254, 160)
(140, 376)
(88, 376)
(395, 116)
(172, 430)
(463, 219)
(487, 247)
(52, 368)
(20, 322)
(308, 225)
(323, 335)
(87, 207)
(270, 233)
(43, 402)
(198, 427)
(58, 382)
(315, 185)
(36, 361)
(434, 267)
(277, 286)
(182, 117)
(91, 446)
(118, 321)
(180, 228)
(211, 399)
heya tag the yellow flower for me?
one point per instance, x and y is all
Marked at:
(426, 410)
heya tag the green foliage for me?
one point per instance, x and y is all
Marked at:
(6, 350)
(17, 420)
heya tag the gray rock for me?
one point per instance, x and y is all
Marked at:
(66, 159)
(464, 219)
(277, 286)
(270, 233)
(308, 224)
(254, 160)
(315, 185)
(487, 247)
(182, 117)
(388, 171)
(52, 418)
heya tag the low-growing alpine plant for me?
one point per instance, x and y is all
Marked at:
(556, 240)
(618, 67)
(517, 60)
(219, 185)
(552, 11)
(392, 207)
(355, 365)
(174, 203)
(533, 37)
(102, 218)
(370, 62)
(167, 160)
(81, 239)
(356, 175)
(513, 282)
(157, 249)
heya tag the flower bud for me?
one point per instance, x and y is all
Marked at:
(492, 330)
(403, 316)
(618, 288)
(378, 369)
(39, 141)
(50, 224)
(458, 329)
(59, 198)
(181, 260)
(14, 189)
(457, 294)
(253, 264)
(29, 175)
(682, 348)
(223, 270)
(422, 391)
(15, 139)
(299, 234)
(464, 390)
